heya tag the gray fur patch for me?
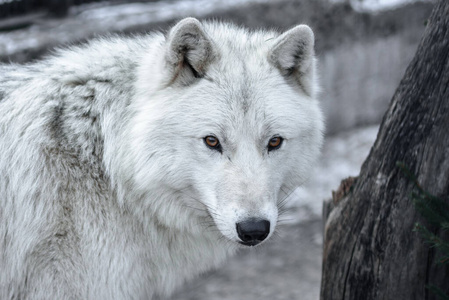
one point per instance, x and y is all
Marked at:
(56, 122)
(245, 89)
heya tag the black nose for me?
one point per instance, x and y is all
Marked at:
(252, 232)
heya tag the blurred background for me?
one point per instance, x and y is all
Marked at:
(363, 48)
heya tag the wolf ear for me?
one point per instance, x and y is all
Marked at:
(293, 55)
(189, 51)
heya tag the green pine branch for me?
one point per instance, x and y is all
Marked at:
(434, 241)
(437, 291)
(436, 211)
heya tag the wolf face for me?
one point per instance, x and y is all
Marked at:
(229, 120)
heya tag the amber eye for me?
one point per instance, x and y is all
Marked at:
(275, 143)
(212, 142)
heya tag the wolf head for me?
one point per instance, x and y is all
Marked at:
(227, 123)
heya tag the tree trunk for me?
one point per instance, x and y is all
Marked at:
(370, 248)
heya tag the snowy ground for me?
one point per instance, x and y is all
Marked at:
(103, 17)
(157, 11)
(378, 5)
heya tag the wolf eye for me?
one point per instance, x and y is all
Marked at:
(275, 143)
(212, 142)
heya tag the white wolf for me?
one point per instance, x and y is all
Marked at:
(129, 165)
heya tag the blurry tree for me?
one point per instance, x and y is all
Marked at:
(370, 248)
(59, 8)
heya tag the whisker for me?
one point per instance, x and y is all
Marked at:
(285, 220)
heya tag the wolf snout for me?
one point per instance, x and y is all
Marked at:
(252, 232)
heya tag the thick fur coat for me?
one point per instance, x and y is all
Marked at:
(129, 165)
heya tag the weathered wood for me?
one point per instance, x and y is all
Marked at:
(370, 249)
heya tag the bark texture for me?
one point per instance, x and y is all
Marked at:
(370, 249)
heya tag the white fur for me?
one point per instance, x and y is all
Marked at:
(107, 189)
